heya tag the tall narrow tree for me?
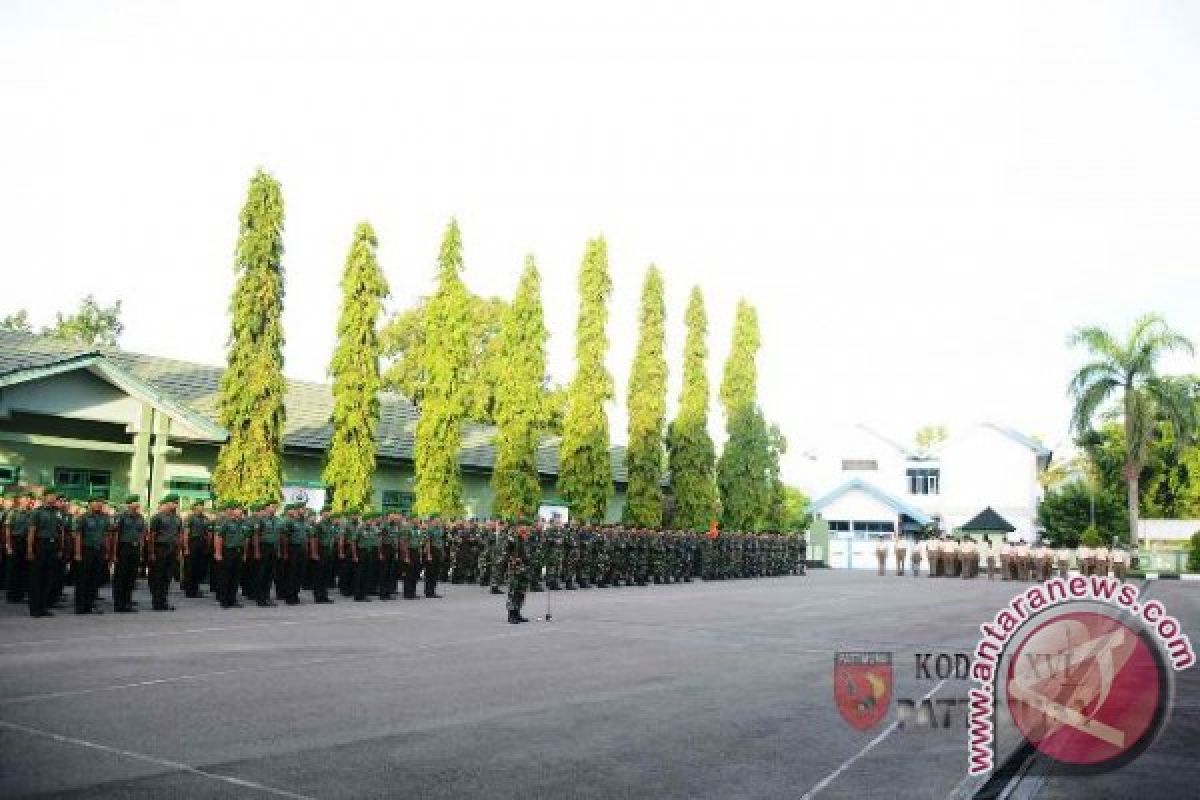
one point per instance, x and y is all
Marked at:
(355, 372)
(250, 400)
(447, 356)
(743, 469)
(647, 405)
(585, 471)
(520, 411)
(690, 452)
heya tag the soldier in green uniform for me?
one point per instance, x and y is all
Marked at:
(323, 555)
(199, 538)
(658, 558)
(486, 562)
(389, 537)
(571, 572)
(364, 552)
(164, 543)
(618, 556)
(535, 554)
(7, 503)
(691, 556)
(553, 550)
(450, 531)
(248, 577)
(130, 534)
(295, 531)
(587, 557)
(91, 546)
(60, 572)
(517, 575)
(638, 555)
(466, 558)
(602, 555)
(229, 553)
(16, 531)
(266, 552)
(348, 528)
(413, 553)
(435, 550)
(43, 543)
(497, 546)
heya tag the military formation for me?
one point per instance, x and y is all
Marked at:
(267, 554)
(967, 557)
(538, 557)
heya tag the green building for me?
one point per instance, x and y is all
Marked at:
(112, 422)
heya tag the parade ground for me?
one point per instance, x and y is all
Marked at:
(721, 690)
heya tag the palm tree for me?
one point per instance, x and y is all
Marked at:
(1121, 381)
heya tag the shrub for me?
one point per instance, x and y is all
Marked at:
(1193, 561)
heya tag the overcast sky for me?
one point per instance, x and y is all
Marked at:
(922, 199)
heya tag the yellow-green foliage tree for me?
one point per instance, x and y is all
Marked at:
(647, 404)
(444, 409)
(743, 471)
(520, 401)
(585, 470)
(691, 456)
(250, 400)
(355, 372)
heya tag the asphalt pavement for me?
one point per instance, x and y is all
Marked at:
(721, 690)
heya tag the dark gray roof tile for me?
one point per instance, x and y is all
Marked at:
(309, 405)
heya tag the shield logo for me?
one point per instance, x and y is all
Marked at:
(862, 687)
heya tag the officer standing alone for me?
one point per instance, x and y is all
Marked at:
(517, 577)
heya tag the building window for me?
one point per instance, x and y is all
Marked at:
(924, 481)
(194, 485)
(397, 502)
(190, 489)
(859, 465)
(78, 484)
(839, 525)
(874, 527)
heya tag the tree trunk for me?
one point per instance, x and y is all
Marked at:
(1132, 468)
(1131, 482)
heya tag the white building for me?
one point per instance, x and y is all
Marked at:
(870, 486)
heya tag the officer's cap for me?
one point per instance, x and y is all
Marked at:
(170, 498)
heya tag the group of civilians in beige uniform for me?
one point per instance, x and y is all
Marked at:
(962, 557)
